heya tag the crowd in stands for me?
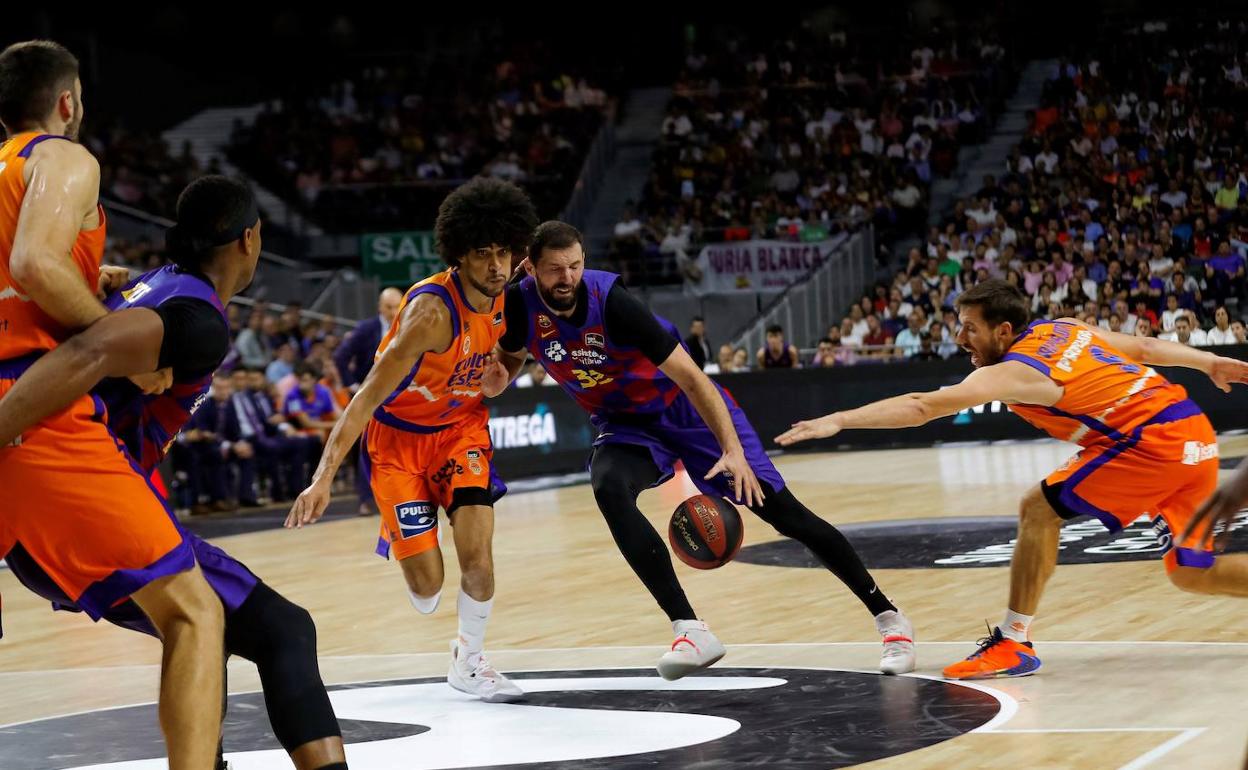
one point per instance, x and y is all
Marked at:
(799, 138)
(138, 168)
(1125, 205)
(380, 149)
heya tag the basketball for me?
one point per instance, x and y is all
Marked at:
(705, 532)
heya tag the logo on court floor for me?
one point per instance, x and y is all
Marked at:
(609, 719)
(416, 517)
(981, 542)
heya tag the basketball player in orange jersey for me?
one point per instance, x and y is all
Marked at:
(1146, 448)
(427, 436)
(72, 499)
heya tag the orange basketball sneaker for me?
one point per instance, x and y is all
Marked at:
(997, 657)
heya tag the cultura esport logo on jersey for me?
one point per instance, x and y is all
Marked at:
(416, 517)
(555, 352)
(595, 339)
(498, 318)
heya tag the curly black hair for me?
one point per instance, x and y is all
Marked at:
(481, 212)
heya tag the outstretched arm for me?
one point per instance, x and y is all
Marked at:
(1009, 381)
(425, 327)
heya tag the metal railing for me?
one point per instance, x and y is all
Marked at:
(275, 275)
(593, 172)
(807, 308)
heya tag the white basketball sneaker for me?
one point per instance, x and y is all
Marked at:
(480, 680)
(898, 656)
(695, 648)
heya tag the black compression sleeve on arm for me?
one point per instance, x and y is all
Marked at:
(631, 324)
(517, 319)
(196, 338)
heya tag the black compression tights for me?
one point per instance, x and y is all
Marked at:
(619, 472)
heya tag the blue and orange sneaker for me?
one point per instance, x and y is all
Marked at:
(997, 657)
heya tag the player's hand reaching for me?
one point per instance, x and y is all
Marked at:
(310, 505)
(155, 382)
(745, 486)
(494, 378)
(112, 278)
(823, 427)
(1226, 372)
(1221, 508)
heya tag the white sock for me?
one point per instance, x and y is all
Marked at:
(473, 616)
(425, 605)
(1016, 626)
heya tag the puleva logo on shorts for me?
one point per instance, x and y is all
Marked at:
(416, 517)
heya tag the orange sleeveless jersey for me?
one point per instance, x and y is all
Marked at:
(444, 388)
(1106, 394)
(24, 328)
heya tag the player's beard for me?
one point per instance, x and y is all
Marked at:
(555, 303)
(484, 289)
(75, 122)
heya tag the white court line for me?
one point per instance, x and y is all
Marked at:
(1149, 757)
(1009, 706)
(656, 646)
(1097, 729)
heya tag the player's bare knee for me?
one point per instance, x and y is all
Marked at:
(1192, 580)
(423, 573)
(1035, 511)
(180, 600)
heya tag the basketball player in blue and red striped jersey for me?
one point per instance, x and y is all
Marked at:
(652, 406)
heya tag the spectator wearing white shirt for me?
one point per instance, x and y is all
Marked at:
(1221, 333)
(910, 339)
(1185, 332)
(1046, 160)
(1171, 313)
(1174, 197)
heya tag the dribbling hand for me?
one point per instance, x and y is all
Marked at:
(745, 486)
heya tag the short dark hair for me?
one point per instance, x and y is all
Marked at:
(697, 319)
(32, 76)
(827, 340)
(307, 367)
(553, 235)
(209, 211)
(481, 212)
(775, 329)
(998, 301)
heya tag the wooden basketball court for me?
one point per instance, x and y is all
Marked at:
(1136, 673)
